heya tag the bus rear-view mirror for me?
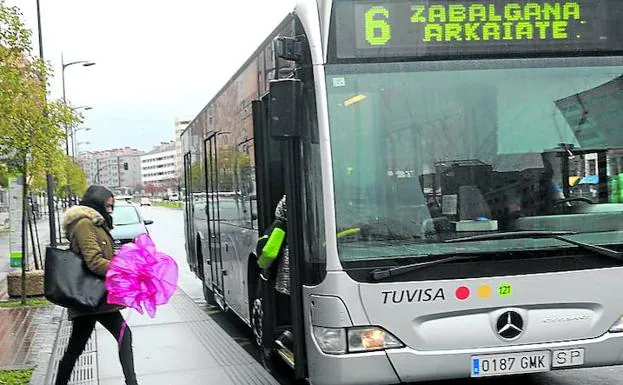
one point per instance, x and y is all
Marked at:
(284, 99)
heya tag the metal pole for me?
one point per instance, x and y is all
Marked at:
(49, 177)
(40, 34)
(34, 221)
(51, 211)
(60, 232)
(65, 103)
(24, 224)
(63, 77)
(32, 238)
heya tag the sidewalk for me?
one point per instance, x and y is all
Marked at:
(182, 345)
(26, 333)
(27, 337)
(43, 228)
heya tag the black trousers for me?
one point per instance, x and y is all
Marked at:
(80, 333)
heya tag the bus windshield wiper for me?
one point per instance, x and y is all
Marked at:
(379, 274)
(543, 234)
(511, 235)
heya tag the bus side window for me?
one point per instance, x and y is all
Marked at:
(199, 210)
(253, 211)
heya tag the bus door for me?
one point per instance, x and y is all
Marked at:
(213, 218)
(191, 253)
(269, 168)
(278, 160)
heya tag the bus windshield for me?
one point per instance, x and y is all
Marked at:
(427, 153)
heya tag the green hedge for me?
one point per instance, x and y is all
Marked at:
(12, 303)
(171, 205)
(16, 377)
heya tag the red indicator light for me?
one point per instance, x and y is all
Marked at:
(462, 292)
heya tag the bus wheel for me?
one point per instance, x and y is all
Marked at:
(256, 311)
(257, 318)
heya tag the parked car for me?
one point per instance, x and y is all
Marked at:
(145, 202)
(127, 223)
(127, 198)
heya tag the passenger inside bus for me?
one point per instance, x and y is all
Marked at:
(470, 191)
(274, 259)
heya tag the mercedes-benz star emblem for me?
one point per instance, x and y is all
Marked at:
(510, 325)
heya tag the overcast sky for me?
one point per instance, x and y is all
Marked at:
(155, 60)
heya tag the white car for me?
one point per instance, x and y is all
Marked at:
(145, 202)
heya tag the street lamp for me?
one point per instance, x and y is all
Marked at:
(86, 108)
(73, 133)
(49, 177)
(64, 66)
(74, 147)
(78, 146)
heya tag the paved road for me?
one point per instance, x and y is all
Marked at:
(168, 234)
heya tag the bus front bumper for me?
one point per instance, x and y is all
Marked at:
(412, 365)
(406, 365)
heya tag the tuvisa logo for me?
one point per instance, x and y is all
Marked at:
(413, 295)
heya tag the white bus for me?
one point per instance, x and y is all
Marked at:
(430, 152)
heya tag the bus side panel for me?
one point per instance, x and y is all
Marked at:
(191, 256)
(200, 244)
(195, 201)
(232, 189)
(228, 118)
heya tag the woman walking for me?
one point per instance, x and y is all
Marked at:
(87, 226)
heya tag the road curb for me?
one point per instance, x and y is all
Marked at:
(46, 355)
(85, 371)
(4, 290)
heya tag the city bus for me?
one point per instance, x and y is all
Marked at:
(452, 173)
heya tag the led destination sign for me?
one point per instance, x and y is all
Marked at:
(454, 28)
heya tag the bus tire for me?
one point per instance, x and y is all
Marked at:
(256, 318)
(268, 356)
(256, 313)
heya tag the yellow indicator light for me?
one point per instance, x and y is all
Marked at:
(485, 291)
(354, 99)
(372, 339)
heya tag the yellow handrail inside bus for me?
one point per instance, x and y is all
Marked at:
(347, 232)
(344, 233)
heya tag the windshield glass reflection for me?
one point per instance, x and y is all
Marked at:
(421, 157)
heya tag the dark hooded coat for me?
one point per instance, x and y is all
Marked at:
(89, 236)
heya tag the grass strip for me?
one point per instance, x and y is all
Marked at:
(16, 377)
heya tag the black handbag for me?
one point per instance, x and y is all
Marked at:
(69, 283)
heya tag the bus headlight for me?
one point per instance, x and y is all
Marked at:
(360, 339)
(371, 338)
(618, 326)
(331, 340)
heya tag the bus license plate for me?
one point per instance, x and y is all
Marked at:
(511, 363)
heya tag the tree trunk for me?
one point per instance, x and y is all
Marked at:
(24, 227)
(36, 236)
(32, 236)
